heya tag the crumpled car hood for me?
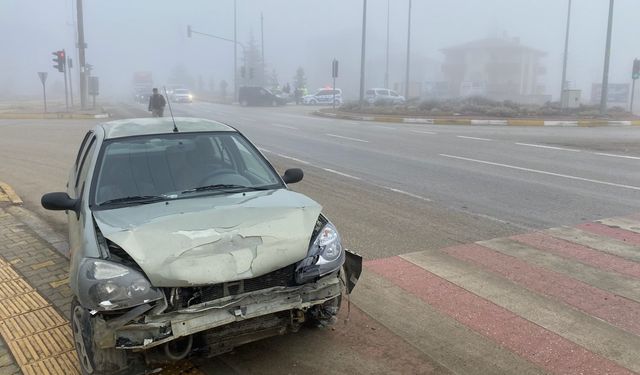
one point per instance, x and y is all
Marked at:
(213, 239)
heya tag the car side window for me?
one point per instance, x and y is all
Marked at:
(84, 164)
(393, 93)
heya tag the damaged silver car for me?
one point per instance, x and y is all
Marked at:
(185, 241)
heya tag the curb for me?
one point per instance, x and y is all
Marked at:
(476, 122)
(8, 191)
(53, 116)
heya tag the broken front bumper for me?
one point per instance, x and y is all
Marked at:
(161, 328)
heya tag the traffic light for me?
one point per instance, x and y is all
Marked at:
(636, 69)
(334, 69)
(59, 59)
(188, 31)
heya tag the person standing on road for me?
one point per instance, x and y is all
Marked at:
(156, 104)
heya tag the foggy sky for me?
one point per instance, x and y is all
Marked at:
(124, 36)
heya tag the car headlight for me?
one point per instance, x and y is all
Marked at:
(105, 285)
(325, 255)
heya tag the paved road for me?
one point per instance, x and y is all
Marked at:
(525, 177)
(399, 194)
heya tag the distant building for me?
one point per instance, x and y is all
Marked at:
(498, 68)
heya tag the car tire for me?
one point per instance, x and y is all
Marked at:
(313, 102)
(93, 359)
(244, 103)
(274, 103)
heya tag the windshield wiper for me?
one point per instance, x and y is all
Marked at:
(224, 187)
(135, 199)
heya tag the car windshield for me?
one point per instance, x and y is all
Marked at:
(141, 170)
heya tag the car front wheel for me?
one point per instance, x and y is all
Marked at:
(93, 359)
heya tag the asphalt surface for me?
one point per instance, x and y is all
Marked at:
(524, 178)
(391, 189)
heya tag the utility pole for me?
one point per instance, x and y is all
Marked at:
(81, 47)
(66, 88)
(563, 86)
(605, 74)
(69, 66)
(235, 50)
(362, 56)
(386, 72)
(262, 41)
(406, 82)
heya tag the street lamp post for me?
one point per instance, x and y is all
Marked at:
(235, 50)
(563, 86)
(362, 56)
(235, 42)
(406, 81)
(605, 74)
(386, 72)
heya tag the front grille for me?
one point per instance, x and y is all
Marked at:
(281, 277)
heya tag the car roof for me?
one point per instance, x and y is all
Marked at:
(162, 125)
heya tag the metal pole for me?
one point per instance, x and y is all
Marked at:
(364, 42)
(633, 92)
(605, 74)
(44, 94)
(262, 42)
(69, 62)
(81, 48)
(66, 88)
(235, 50)
(386, 72)
(563, 85)
(406, 84)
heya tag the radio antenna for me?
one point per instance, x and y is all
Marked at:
(175, 127)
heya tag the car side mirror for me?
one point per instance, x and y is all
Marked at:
(293, 175)
(60, 201)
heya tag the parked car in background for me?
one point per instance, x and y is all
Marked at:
(258, 96)
(182, 96)
(184, 240)
(383, 96)
(323, 96)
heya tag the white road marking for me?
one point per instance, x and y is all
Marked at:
(385, 127)
(294, 159)
(347, 138)
(263, 150)
(544, 172)
(285, 126)
(422, 132)
(548, 147)
(406, 193)
(341, 173)
(618, 156)
(476, 138)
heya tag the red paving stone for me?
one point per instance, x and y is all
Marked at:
(616, 310)
(581, 253)
(629, 237)
(544, 348)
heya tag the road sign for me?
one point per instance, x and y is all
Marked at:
(43, 77)
(334, 69)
